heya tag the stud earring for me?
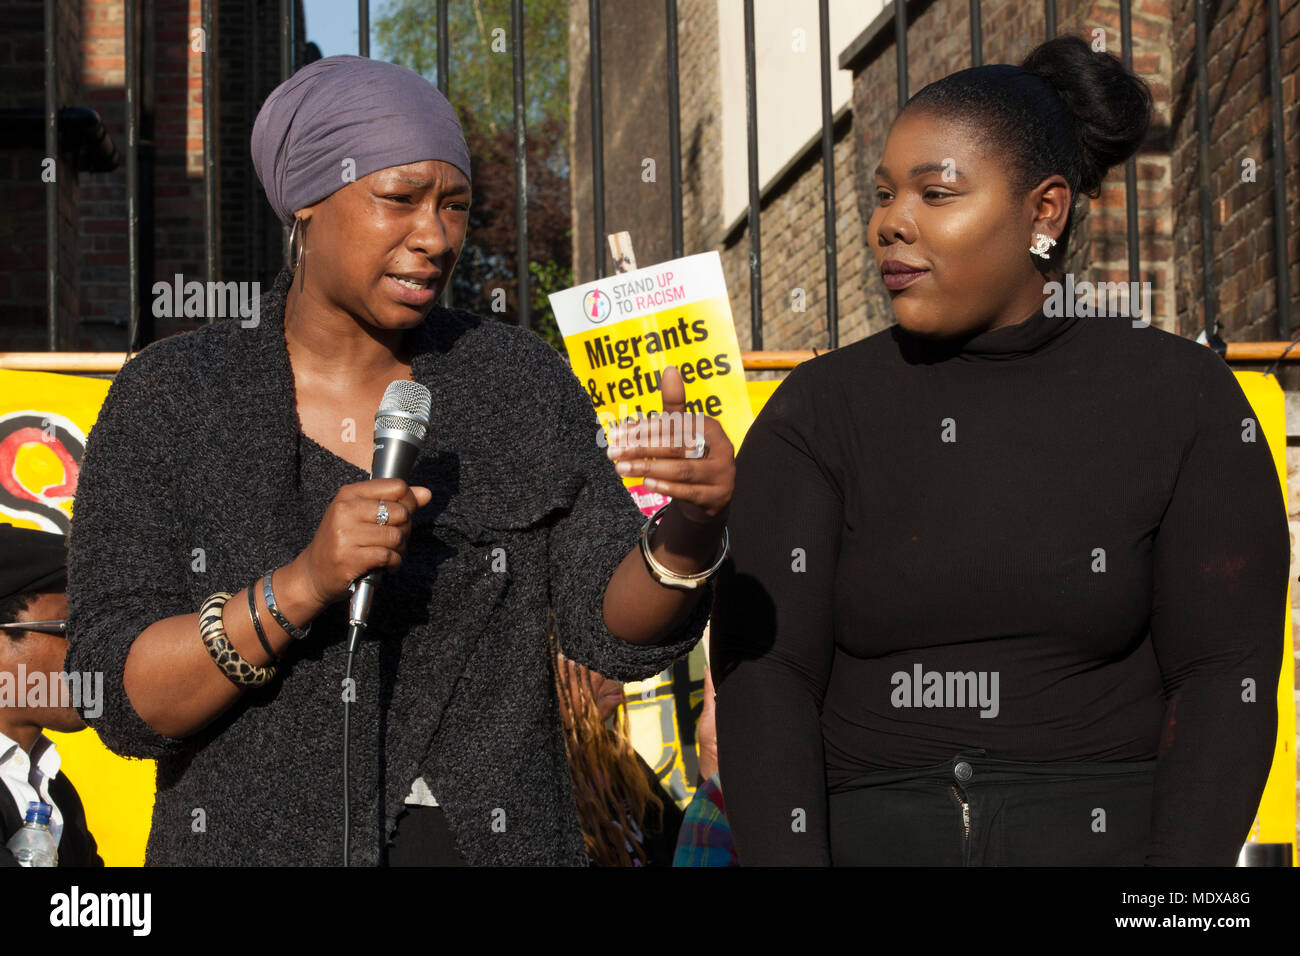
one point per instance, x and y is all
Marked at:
(1041, 244)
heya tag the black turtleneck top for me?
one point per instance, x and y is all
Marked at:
(1078, 505)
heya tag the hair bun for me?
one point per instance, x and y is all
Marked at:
(1110, 106)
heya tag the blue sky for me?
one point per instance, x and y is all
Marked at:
(332, 24)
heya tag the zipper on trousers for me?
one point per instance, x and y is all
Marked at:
(965, 811)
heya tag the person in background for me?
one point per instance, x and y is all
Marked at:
(705, 836)
(626, 818)
(33, 608)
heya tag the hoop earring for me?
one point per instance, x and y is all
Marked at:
(295, 245)
(1041, 244)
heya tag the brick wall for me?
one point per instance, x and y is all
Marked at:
(178, 149)
(102, 212)
(1240, 129)
(792, 230)
(697, 47)
(93, 235)
(791, 226)
(635, 126)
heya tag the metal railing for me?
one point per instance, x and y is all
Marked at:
(900, 16)
(766, 360)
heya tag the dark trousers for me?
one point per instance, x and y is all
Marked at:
(975, 811)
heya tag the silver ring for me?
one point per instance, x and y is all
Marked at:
(381, 516)
(701, 448)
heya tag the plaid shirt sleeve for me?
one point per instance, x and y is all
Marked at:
(705, 836)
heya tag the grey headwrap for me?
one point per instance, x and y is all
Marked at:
(342, 108)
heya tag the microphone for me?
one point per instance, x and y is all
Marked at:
(401, 427)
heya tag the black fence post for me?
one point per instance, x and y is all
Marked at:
(211, 223)
(1130, 168)
(521, 166)
(1203, 174)
(53, 187)
(674, 128)
(828, 181)
(755, 201)
(597, 144)
(1278, 136)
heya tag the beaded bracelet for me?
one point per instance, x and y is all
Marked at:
(213, 632)
(293, 631)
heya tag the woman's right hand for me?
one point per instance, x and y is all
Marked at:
(169, 678)
(349, 541)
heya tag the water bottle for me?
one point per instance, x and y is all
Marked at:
(33, 845)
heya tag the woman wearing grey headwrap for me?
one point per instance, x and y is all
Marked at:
(231, 450)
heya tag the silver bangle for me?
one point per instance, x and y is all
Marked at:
(297, 633)
(669, 578)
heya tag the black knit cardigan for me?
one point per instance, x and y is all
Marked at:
(191, 484)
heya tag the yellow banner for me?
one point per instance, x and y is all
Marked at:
(1276, 819)
(44, 421)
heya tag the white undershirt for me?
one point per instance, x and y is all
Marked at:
(420, 795)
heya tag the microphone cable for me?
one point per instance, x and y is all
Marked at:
(355, 627)
(401, 428)
(347, 708)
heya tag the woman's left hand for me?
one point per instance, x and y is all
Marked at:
(663, 449)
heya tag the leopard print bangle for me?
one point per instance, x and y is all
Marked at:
(222, 651)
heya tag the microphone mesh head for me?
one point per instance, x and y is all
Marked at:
(405, 398)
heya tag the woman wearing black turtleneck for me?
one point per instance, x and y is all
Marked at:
(1006, 588)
